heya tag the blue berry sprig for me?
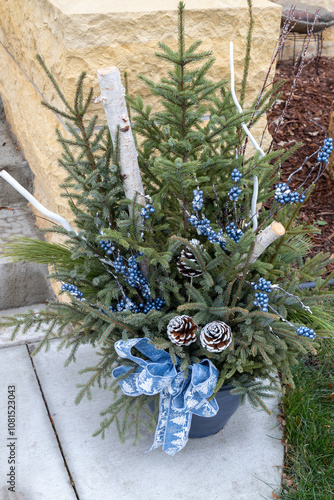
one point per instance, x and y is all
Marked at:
(262, 284)
(306, 332)
(261, 300)
(127, 304)
(234, 193)
(284, 195)
(197, 200)
(147, 210)
(203, 227)
(234, 233)
(326, 150)
(107, 246)
(132, 274)
(236, 175)
(73, 290)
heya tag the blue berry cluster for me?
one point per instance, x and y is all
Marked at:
(236, 175)
(234, 233)
(234, 193)
(107, 247)
(132, 274)
(73, 290)
(147, 210)
(263, 285)
(326, 150)
(197, 200)
(204, 228)
(284, 195)
(127, 304)
(261, 300)
(306, 332)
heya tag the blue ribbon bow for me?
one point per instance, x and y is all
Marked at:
(180, 396)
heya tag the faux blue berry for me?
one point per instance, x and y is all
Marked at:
(236, 175)
(306, 332)
(234, 193)
(261, 300)
(284, 195)
(326, 151)
(147, 210)
(197, 200)
(107, 246)
(263, 285)
(73, 290)
(203, 227)
(233, 233)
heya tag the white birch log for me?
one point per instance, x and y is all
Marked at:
(112, 94)
(50, 215)
(266, 238)
(253, 213)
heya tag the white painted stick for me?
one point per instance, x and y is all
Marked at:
(51, 215)
(112, 94)
(266, 238)
(253, 141)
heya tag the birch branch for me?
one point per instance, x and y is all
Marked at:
(252, 139)
(51, 215)
(266, 238)
(112, 96)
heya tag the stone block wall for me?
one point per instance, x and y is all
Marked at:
(87, 35)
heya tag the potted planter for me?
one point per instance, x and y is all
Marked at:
(228, 404)
(175, 276)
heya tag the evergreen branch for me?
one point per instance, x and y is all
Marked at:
(78, 99)
(58, 111)
(54, 83)
(247, 55)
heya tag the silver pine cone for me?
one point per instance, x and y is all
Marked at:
(216, 336)
(181, 330)
(181, 265)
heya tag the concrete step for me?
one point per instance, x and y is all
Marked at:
(13, 161)
(21, 283)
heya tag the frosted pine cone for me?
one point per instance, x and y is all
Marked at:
(183, 268)
(181, 330)
(216, 336)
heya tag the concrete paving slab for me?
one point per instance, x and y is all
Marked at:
(242, 462)
(30, 336)
(40, 473)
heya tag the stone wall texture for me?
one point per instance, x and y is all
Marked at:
(87, 35)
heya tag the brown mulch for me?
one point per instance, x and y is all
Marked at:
(313, 99)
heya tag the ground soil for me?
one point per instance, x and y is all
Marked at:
(313, 99)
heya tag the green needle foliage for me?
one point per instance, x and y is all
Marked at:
(195, 140)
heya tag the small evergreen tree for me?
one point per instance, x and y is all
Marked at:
(195, 238)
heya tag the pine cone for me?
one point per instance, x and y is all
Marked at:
(181, 330)
(216, 336)
(182, 267)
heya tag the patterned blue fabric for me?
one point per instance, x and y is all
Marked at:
(180, 397)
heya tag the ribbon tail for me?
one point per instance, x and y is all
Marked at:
(173, 426)
(177, 430)
(164, 405)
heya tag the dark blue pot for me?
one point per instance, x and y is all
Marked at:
(206, 426)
